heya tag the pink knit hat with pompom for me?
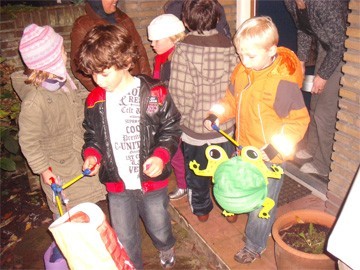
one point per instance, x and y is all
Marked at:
(41, 49)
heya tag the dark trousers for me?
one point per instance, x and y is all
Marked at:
(199, 186)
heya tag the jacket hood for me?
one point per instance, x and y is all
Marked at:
(201, 59)
(286, 65)
(289, 65)
(18, 83)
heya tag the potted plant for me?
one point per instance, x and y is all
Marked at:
(305, 253)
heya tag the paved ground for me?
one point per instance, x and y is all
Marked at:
(28, 253)
(25, 237)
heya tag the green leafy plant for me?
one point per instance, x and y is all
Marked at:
(306, 237)
(314, 239)
(9, 113)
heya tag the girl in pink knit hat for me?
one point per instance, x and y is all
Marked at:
(50, 121)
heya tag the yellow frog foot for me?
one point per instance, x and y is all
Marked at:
(227, 214)
(268, 204)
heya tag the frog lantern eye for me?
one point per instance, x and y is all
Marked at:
(251, 154)
(215, 153)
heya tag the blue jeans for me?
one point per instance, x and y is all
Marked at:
(258, 229)
(126, 208)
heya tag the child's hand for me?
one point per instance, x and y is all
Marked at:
(153, 166)
(264, 155)
(91, 163)
(268, 152)
(208, 122)
(47, 176)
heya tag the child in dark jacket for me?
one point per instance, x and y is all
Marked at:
(132, 131)
(164, 32)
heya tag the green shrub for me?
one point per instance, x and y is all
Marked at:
(9, 113)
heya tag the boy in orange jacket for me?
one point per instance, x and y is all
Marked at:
(265, 99)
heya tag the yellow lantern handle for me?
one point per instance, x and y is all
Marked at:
(72, 181)
(57, 189)
(58, 202)
(227, 136)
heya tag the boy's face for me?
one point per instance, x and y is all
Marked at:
(162, 45)
(111, 79)
(254, 55)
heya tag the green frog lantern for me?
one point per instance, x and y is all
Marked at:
(240, 182)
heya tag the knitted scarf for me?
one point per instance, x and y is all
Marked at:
(97, 6)
(159, 60)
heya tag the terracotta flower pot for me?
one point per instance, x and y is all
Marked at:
(289, 258)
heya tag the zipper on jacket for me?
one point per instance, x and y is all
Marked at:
(261, 123)
(239, 107)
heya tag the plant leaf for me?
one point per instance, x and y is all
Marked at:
(299, 220)
(7, 221)
(7, 164)
(3, 114)
(12, 197)
(16, 107)
(28, 226)
(311, 229)
(11, 144)
(302, 235)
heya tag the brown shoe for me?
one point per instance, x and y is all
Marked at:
(203, 218)
(232, 219)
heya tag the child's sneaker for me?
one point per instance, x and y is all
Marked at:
(309, 168)
(246, 256)
(303, 154)
(167, 258)
(177, 194)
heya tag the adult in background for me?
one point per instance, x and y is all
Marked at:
(105, 12)
(326, 22)
(175, 7)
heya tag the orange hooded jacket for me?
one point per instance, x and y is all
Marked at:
(267, 102)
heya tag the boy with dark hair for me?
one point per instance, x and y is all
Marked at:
(175, 7)
(200, 71)
(131, 133)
